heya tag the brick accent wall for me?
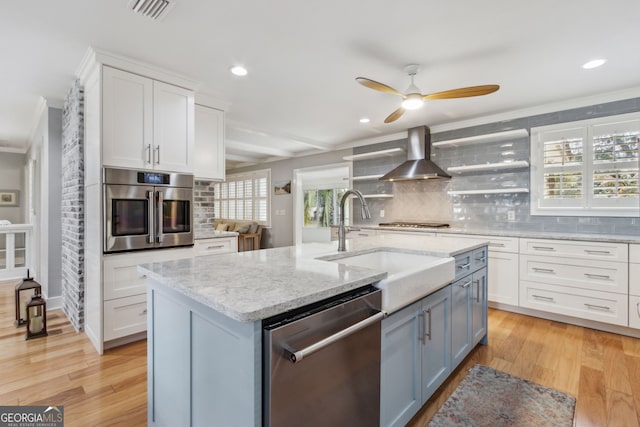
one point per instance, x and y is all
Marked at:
(73, 206)
(202, 206)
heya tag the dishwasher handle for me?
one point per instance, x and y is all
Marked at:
(297, 356)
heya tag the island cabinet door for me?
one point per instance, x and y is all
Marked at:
(436, 341)
(400, 394)
(461, 319)
(479, 306)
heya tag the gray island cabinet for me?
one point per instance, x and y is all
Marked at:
(205, 317)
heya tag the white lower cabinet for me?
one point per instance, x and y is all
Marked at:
(587, 280)
(216, 246)
(124, 290)
(634, 286)
(125, 316)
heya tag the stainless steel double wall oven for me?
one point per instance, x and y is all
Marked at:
(146, 210)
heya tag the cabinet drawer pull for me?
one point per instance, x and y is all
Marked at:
(543, 298)
(543, 248)
(598, 307)
(464, 266)
(589, 251)
(543, 270)
(363, 234)
(497, 245)
(215, 247)
(144, 312)
(597, 276)
(638, 308)
(465, 285)
(481, 259)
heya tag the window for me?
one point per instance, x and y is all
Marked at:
(244, 196)
(586, 168)
(322, 207)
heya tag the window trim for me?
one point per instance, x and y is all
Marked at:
(588, 205)
(218, 197)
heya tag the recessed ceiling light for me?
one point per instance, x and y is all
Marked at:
(594, 64)
(239, 70)
(365, 120)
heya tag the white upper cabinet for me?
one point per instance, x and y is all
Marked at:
(147, 124)
(127, 113)
(209, 163)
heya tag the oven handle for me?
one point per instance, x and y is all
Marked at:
(150, 217)
(159, 208)
(297, 356)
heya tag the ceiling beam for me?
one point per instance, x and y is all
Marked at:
(278, 135)
(255, 148)
(239, 158)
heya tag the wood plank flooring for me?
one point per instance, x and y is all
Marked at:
(601, 369)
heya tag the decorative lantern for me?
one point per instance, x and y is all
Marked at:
(24, 290)
(36, 317)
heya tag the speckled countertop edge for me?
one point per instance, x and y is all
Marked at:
(255, 285)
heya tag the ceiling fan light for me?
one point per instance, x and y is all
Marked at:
(413, 102)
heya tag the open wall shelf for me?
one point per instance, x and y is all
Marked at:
(367, 177)
(374, 154)
(491, 191)
(486, 138)
(488, 167)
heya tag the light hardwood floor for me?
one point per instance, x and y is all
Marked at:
(601, 369)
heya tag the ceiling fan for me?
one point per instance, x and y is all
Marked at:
(413, 99)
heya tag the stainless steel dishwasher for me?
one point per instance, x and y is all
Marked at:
(322, 363)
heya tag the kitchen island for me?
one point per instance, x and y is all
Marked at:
(205, 320)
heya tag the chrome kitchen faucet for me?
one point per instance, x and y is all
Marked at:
(342, 230)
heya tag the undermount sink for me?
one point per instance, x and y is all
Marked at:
(410, 276)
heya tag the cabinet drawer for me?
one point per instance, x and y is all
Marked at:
(480, 258)
(222, 245)
(634, 279)
(570, 249)
(584, 274)
(634, 253)
(125, 316)
(634, 311)
(496, 244)
(464, 264)
(585, 304)
(120, 271)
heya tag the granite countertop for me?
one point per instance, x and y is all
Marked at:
(610, 238)
(251, 286)
(212, 234)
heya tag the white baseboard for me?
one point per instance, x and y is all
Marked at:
(53, 303)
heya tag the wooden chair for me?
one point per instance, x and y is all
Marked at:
(250, 241)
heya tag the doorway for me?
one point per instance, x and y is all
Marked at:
(316, 197)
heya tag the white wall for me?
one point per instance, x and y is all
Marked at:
(281, 231)
(12, 178)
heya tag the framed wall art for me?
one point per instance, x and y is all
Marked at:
(9, 198)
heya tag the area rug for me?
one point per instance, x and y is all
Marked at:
(487, 397)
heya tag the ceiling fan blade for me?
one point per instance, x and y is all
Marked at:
(395, 115)
(463, 92)
(372, 84)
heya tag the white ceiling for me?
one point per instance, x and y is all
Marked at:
(300, 95)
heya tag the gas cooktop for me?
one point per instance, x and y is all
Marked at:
(414, 224)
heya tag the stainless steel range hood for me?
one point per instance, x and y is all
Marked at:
(418, 165)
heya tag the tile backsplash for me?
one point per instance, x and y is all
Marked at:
(429, 200)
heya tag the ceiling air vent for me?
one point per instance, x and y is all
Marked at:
(155, 9)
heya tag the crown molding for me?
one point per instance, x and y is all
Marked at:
(95, 57)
